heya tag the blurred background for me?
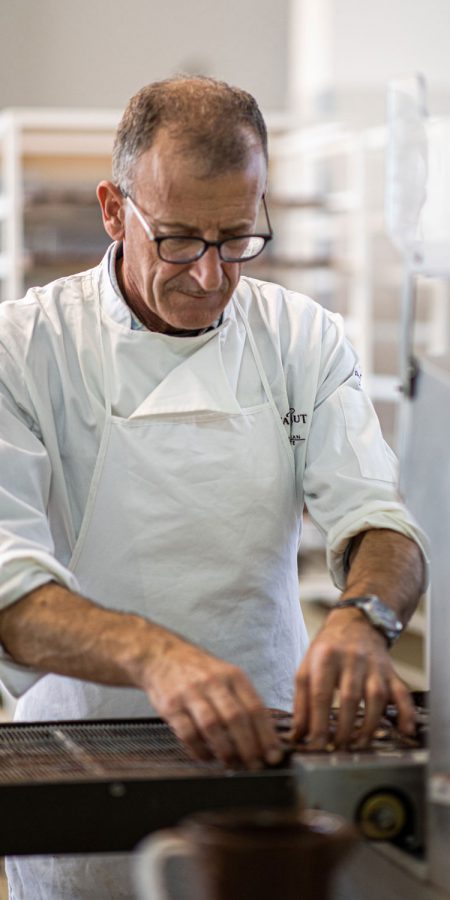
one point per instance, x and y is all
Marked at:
(320, 70)
(328, 58)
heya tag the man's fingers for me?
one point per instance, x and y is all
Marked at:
(211, 703)
(379, 691)
(300, 721)
(267, 742)
(405, 706)
(207, 736)
(187, 732)
(219, 729)
(355, 660)
(351, 690)
(323, 679)
(225, 716)
(376, 697)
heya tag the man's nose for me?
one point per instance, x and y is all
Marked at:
(207, 270)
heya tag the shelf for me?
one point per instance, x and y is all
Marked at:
(51, 162)
(51, 119)
(61, 263)
(54, 143)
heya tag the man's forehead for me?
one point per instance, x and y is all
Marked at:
(169, 160)
(164, 178)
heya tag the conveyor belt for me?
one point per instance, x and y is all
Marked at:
(93, 786)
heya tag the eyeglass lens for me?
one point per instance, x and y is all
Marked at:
(180, 249)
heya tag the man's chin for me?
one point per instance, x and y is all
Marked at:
(194, 313)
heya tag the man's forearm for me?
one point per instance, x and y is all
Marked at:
(52, 629)
(389, 564)
(210, 704)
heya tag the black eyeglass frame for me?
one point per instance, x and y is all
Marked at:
(159, 239)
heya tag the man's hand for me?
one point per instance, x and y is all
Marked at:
(348, 654)
(212, 706)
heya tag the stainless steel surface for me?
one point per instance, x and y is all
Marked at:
(382, 789)
(383, 872)
(426, 484)
(383, 794)
(418, 194)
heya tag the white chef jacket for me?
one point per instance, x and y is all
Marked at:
(52, 414)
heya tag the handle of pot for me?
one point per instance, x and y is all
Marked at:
(165, 868)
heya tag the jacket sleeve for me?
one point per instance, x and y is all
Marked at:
(27, 557)
(350, 478)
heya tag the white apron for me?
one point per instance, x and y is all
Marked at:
(192, 521)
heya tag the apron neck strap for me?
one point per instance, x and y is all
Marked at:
(105, 370)
(257, 358)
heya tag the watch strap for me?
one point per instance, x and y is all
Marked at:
(380, 616)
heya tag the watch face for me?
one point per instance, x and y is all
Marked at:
(382, 617)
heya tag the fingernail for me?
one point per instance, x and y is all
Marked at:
(274, 756)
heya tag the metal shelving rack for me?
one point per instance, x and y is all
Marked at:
(47, 149)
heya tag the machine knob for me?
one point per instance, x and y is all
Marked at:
(382, 816)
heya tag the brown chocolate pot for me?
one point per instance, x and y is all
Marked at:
(267, 854)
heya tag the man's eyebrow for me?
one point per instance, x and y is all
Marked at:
(181, 225)
(184, 228)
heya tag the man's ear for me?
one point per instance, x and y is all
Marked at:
(112, 206)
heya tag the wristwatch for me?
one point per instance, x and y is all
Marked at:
(379, 615)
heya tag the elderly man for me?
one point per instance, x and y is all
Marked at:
(163, 420)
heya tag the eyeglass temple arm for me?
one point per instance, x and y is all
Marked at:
(263, 198)
(151, 236)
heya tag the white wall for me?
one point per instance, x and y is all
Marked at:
(90, 53)
(377, 40)
(344, 52)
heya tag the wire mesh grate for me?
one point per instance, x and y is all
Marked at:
(145, 748)
(66, 751)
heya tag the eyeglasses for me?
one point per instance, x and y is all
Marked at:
(182, 249)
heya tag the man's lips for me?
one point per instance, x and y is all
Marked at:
(199, 295)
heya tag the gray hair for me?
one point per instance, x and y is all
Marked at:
(212, 121)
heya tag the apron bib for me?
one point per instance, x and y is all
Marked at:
(192, 521)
